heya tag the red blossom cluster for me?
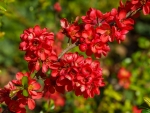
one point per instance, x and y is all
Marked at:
(38, 44)
(98, 29)
(124, 77)
(73, 72)
(21, 92)
(70, 71)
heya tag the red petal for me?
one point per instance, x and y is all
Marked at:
(105, 38)
(93, 14)
(37, 66)
(44, 68)
(83, 47)
(36, 86)
(37, 30)
(128, 21)
(64, 23)
(69, 87)
(31, 103)
(78, 92)
(19, 75)
(85, 34)
(146, 10)
(134, 1)
(100, 30)
(122, 14)
(42, 55)
(114, 11)
(38, 96)
(23, 46)
(82, 88)
(60, 89)
(54, 73)
(51, 89)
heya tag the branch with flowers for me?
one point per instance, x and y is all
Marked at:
(69, 71)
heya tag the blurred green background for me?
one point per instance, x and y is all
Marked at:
(133, 54)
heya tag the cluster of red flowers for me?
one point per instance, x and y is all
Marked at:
(124, 78)
(70, 71)
(98, 29)
(73, 72)
(38, 44)
(21, 92)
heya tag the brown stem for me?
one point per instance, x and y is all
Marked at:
(68, 48)
(131, 13)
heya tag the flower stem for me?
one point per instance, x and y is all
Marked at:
(68, 48)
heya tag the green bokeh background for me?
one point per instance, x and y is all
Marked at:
(133, 53)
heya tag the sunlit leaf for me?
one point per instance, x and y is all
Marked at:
(25, 93)
(147, 100)
(2, 8)
(25, 81)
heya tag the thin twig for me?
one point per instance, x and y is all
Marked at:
(68, 48)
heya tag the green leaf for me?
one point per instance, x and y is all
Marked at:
(143, 43)
(146, 111)
(49, 105)
(25, 93)
(25, 81)
(2, 8)
(147, 100)
(33, 74)
(52, 105)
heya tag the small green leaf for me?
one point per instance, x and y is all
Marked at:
(147, 100)
(25, 93)
(25, 81)
(143, 43)
(146, 111)
(2, 6)
(49, 105)
(52, 105)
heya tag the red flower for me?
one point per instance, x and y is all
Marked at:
(57, 7)
(144, 4)
(71, 30)
(14, 106)
(7, 92)
(9, 95)
(93, 42)
(30, 88)
(76, 73)
(88, 79)
(38, 42)
(107, 32)
(135, 109)
(93, 16)
(124, 77)
(123, 22)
